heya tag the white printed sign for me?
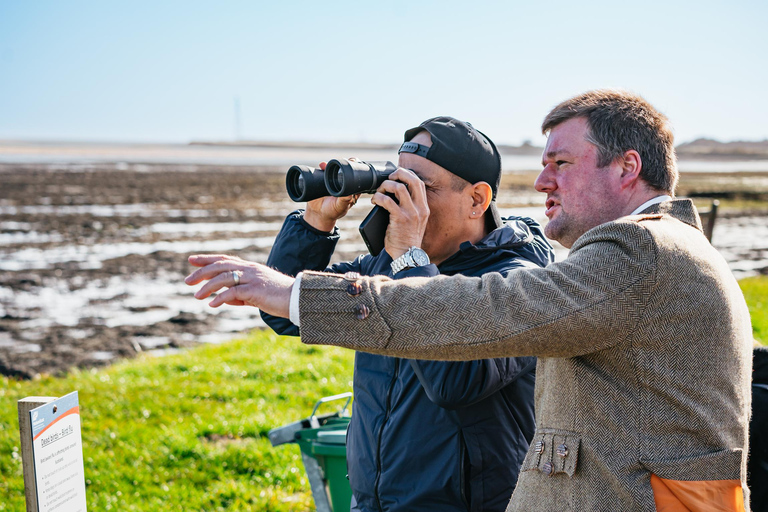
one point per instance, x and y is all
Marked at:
(58, 455)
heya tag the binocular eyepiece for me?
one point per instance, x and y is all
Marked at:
(341, 178)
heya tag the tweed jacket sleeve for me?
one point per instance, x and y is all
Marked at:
(569, 308)
(298, 246)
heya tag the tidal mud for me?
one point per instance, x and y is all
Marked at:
(93, 257)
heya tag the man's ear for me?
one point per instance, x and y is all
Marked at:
(482, 195)
(631, 165)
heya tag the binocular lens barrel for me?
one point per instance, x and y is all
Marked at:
(341, 178)
(334, 180)
(304, 183)
(344, 177)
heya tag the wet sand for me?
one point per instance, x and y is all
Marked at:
(92, 257)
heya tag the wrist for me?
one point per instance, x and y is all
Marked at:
(395, 251)
(319, 221)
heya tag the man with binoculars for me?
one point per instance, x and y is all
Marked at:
(429, 435)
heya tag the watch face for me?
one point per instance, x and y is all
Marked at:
(420, 257)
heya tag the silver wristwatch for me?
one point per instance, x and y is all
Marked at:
(413, 257)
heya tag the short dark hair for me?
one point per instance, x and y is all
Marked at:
(458, 184)
(619, 121)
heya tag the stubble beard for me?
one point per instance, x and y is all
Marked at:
(561, 230)
(566, 229)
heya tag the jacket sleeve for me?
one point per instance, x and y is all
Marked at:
(298, 247)
(566, 309)
(456, 384)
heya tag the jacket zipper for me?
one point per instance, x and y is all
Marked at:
(381, 433)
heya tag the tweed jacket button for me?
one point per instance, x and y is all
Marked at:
(362, 311)
(547, 468)
(562, 451)
(351, 276)
(354, 289)
(539, 447)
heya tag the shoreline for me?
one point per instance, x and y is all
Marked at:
(277, 156)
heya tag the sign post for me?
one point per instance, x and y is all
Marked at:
(52, 454)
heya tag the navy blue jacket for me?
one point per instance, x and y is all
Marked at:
(430, 435)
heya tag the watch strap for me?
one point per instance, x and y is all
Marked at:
(406, 260)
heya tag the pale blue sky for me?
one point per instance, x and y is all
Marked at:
(364, 71)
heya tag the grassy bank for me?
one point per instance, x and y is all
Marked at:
(756, 294)
(188, 432)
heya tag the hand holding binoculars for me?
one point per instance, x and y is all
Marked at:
(341, 178)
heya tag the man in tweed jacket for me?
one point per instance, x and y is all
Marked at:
(642, 333)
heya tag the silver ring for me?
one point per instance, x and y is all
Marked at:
(236, 277)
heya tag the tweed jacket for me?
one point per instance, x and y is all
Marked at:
(644, 343)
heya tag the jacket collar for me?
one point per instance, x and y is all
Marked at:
(681, 209)
(497, 245)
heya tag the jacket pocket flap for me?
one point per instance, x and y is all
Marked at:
(719, 465)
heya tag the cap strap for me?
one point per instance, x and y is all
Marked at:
(414, 147)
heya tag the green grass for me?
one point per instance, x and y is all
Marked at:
(756, 293)
(189, 431)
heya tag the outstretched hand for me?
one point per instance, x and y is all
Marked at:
(247, 283)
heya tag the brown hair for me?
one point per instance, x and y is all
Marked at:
(619, 121)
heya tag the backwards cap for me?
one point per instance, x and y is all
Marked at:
(461, 150)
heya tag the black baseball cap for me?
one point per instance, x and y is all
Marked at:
(462, 150)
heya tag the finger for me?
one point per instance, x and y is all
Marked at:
(228, 296)
(224, 279)
(399, 190)
(417, 189)
(411, 179)
(350, 200)
(341, 205)
(385, 201)
(212, 270)
(405, 175)
(201, 260)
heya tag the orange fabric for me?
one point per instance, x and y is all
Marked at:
(697, 496)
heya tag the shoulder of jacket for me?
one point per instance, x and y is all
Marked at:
(631, 231)
(642, 221)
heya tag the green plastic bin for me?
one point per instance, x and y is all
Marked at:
(322, 441)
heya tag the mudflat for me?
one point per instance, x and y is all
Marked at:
(92, 257)
(92, 261)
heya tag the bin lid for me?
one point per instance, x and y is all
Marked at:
(336, 436)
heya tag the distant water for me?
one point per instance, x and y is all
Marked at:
(69, 154)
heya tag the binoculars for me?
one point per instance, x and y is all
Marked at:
(341, 178)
